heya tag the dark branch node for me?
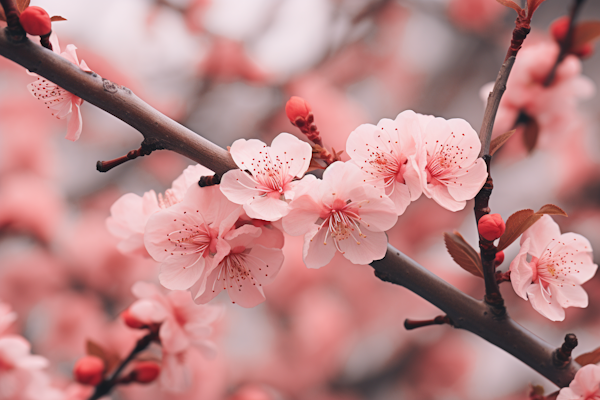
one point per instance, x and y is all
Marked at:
(411, 324)
(561, 357)
(45, 41)
(144, 150)
(209, 180)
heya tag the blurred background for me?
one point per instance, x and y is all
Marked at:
(225, 68)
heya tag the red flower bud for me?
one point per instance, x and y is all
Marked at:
(499, 258)
(89, 370)
(559, 28)
(145, 371)
(131, 321)
(36, 21)
(298, 111)
(491, 226)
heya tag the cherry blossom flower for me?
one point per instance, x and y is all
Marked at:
(559, 265)
(386, 154)
(344, 214)
(62, 103)
(268, 185)
(183, 324)
(451, 172)
(247, 266)
(184, 237)
(585, 385)
(130, 213)
(7, 317)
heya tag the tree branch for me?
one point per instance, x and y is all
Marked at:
(464, 311)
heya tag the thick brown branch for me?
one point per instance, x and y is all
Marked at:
(473, 315)
(158, 130)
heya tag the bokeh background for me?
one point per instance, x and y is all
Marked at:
(225, 68)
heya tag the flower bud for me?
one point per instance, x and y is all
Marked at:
(145, 371)
(89, 370)
(299, 112)
(559, 28)
(36, 21)
(499, 258)
(491, 226)
(132, 321)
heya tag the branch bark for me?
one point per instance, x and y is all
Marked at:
(157, 129)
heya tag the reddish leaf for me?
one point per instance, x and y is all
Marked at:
(532, 5)
(499, 141)
(55, 18)
(111, 360)
(530, 134)
(510, 4)
(22, 4)
(522, 220)
(463, 254)
(592, 357)
(584, 33)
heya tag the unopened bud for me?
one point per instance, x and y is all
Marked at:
(89, 370)
(559, 29)
(36, 21)
(499, 258)
(145, 371)
(132, 321)
(299, 112)
(491, 226)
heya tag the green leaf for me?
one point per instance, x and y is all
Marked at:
(463, 254)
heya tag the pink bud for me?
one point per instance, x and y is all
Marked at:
(132, 321)
(491, 226)
(298, 111)
(559, 28)
(89, 370)
(499, 258)
(145, 371)
(36, 21)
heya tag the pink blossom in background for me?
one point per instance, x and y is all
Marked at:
(387, 153)
(585, 386)
(343, 214)
(186, 237)
(62, 103)
(182, 324)
(553, 107)
(244, 269)
(475, 15)
(559, 265)
(269, 184)
(451, 172)
(7, 317)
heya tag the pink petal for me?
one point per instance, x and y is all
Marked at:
(401, 196)
(568, 394)
(175, 374)
(440, 194)
(294, 151)
(188, 178)
(264, 263)
(148, 311)
(468, 140)
(316, 253)
(144, 290)
(586, 381)
(304, 212)
(239, 187)
(209, 289)
(573, 254)
(246, 294)
(541, 234)
(172, 337)
(242, 236)
(412, 179)
(245, 152)
(466, 187)
(181, 272)
(74, 124)
(548, 308)
(521, 272)
(377, 213)
(270, 237)
(370, 248)
(570, 295)
(266, 208)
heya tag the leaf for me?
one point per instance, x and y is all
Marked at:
(584, 33)
(499, 141)
(22, 4)
(522, 220)
(532, 5)
(510, 4)
(463, 254)
(111, 360)
(592, 357)
(530, 134)
(55, 18)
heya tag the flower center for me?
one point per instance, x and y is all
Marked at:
(343, 222)
(192, 238)
(444, 160)
(388, 166)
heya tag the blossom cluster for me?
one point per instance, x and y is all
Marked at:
(229, 237)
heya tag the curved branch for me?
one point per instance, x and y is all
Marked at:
(464, 311)
(159, 130)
